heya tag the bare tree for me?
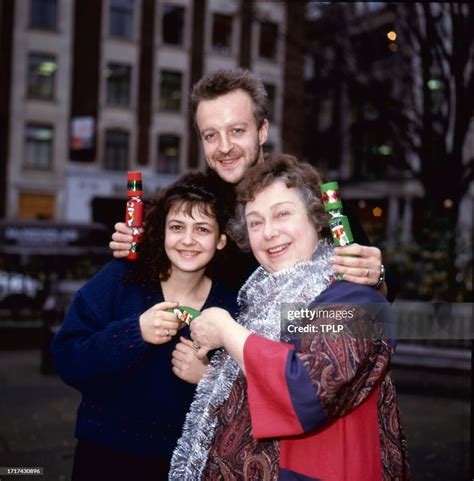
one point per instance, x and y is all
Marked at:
(437, 100)
(419, 100)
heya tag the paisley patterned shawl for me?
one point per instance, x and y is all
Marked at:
(260, 299)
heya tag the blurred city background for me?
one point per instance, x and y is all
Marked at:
(378, 95)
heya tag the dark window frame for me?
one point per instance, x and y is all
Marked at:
(39, 144)
(169, 165)
(166, 104)
(42, 10)
(124, 16)
(226, 47)
(118, 94)
(33, 87)
(166, 30)
(268, 29)
(120, 145)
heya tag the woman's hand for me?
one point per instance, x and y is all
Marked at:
(186, 364)
(216, 328)
(363, 269)
(121, 242)
(158, 326)
(207, 329)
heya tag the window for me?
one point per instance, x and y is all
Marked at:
(271, 101)
(222, 33)
(173, 24)
(268, 40)
(121, 18)
(116, 150)
(41, 72)
(118, 85)
(39, 139)
(168, 154)
(43, 14)
(170, 91)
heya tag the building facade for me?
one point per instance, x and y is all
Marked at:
(99, 87)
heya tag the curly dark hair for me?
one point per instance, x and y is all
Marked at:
(224, 81)
(299, 175)
(195, 190)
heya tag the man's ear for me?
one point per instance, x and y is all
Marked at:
(222, 242)
(263, 132)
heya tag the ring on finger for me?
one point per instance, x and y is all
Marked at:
(167, 331)
(196, 346)
(368, 272)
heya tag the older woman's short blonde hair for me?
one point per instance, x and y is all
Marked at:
(278, 167)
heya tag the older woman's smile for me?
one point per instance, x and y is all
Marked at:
(278, 250)
(280, 230)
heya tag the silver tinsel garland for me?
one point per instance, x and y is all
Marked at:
(260, 300)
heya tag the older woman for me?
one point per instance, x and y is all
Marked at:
(275, 407)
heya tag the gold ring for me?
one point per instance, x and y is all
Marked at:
(196, 346)
(368, 272)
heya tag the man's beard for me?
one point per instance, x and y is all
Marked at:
(255, 154)
(254, 161)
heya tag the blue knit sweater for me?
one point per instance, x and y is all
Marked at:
(131, 400)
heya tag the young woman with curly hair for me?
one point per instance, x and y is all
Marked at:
(131, 358)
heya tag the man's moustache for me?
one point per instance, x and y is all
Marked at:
(232, 155)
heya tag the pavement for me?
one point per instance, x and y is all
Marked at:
(37, 414)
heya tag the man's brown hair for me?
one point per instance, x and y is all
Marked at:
(224, 81)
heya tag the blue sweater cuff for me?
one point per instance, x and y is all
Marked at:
(128, 332)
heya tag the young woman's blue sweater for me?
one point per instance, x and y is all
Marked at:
(131, 400)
